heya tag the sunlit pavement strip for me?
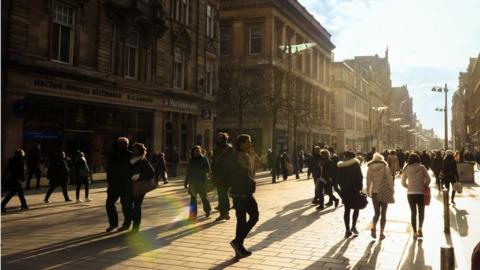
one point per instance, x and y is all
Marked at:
(291, 234)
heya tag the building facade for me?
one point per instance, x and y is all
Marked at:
(78, 74)
(402, 119)
(275, 84)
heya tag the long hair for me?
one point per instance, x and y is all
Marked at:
(413, 158)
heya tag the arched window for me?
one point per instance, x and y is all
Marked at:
(169, 135)
(183, 142)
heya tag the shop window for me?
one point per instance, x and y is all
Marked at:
(131, 56)
(210, 21)
(183, 142)
(255, 40)
(179, 68)
(180, 11)
(226, 40)
(169, 135)
(62, 32)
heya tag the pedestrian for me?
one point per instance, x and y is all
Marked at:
(393, 165)
(285, 164)
(269, 159)
(350, 179)
(437, 167)
(12, 179)
(34, 164)
(140, 170)
(160, 165)
(332, 183)
(416, 179)
(58, 172)
(198, 168)
(425, 159)
(119, 185)
(316, 171)
(82, 175)
(327, 171)
(301, 161)
(380, 189)
(221, 155)
(450, 173)
(401, 159)
(172, 159)
(242, 188)
(370, 154)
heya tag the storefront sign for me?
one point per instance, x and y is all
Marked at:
(87, 90)
(172, 103)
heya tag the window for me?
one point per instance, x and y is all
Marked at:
(180, 11)
(113, 49)
(210, 21)
(131, 56)
(226, 40)
(209, 76)
(179, 68)
(255, 44)
(62, 29)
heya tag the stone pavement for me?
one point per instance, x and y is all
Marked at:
(291, 234)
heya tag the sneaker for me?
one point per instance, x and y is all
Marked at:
(348, 234)
(373, 233)
(88, 199)
(78, 201)
(382, 236)
(110, 228)
(420, 233)
(329, 204)
(354, 231)
(237, 248)
(320, 208)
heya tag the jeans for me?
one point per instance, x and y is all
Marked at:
(447, 185)
(80, 181)
(112, 198)
(319, 186)
(223, 200)
(194, 190)
(11, 193)
(416, 201)
(346, 218)
(380, 212)
(329, 191)
(137, 211)
(244, 206)
(53, 186)
(31, 173)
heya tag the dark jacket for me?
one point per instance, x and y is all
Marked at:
(426, 160)
(314, 166)
(349, 179)
(118, 172)
(197, 170)
(82, 170)
(14, 173)
(450, 172)
(437, 164)
(142, 167)
(219, 163)
(242, 179)
(58, 171)
(159, 164)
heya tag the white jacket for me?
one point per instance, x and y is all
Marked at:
(418, 178)
(377, 172)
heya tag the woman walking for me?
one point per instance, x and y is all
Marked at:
(437, 167)
(82, 173)
(380, 189)
(58, 175)
(450, 173)
(284, 163)
(197, 171)
(350, 183)
(140, 170)
(416, 179)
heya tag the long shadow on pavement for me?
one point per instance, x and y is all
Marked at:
(416, 257)
(336, 254)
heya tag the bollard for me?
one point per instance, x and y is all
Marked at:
(447, 258)
(446, 212)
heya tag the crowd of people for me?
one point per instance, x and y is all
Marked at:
(230, 169)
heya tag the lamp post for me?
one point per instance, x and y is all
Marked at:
(445, 90)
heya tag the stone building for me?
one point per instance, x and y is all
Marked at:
(275, 62)
(79, 73)
(402, 119)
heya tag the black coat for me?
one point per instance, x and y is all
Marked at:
(426, 160)
(14, 173)
(197, 171)
(437, 164)
(450, 172)
(350, 180)
(143, 168)
(118, 172)
(219, 163)
(314, 166)
(242, 179)
(58, 171)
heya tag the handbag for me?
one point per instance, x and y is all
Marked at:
(427, 195)
(143, 187)
(360, 200)
(458, 187)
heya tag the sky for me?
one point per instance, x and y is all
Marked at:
(429, 43)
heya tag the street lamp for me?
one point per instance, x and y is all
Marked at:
(444, 90)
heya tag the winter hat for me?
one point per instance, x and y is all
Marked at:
(377, 157)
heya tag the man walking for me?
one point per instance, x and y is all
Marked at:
(12, 179)
(243, 186)
(221, 153)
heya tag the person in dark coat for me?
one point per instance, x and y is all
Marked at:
(301, 161)
(450, 173)
(160, 165)
(425, 160)
(34, 162)
(82, 175)
(316, 171)
(350, 179)
(401, 159)
(12, 179)
(119, 185)
(172, 159)
(221, 154)
(198, 168)
(370, 154)
(58, 172)
(284, 163)
(242, 188)
(437, 166)
(140, 170)
(328, 169)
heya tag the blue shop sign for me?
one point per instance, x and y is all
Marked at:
(42, 135)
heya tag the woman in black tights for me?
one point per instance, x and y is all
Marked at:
(350, 182)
